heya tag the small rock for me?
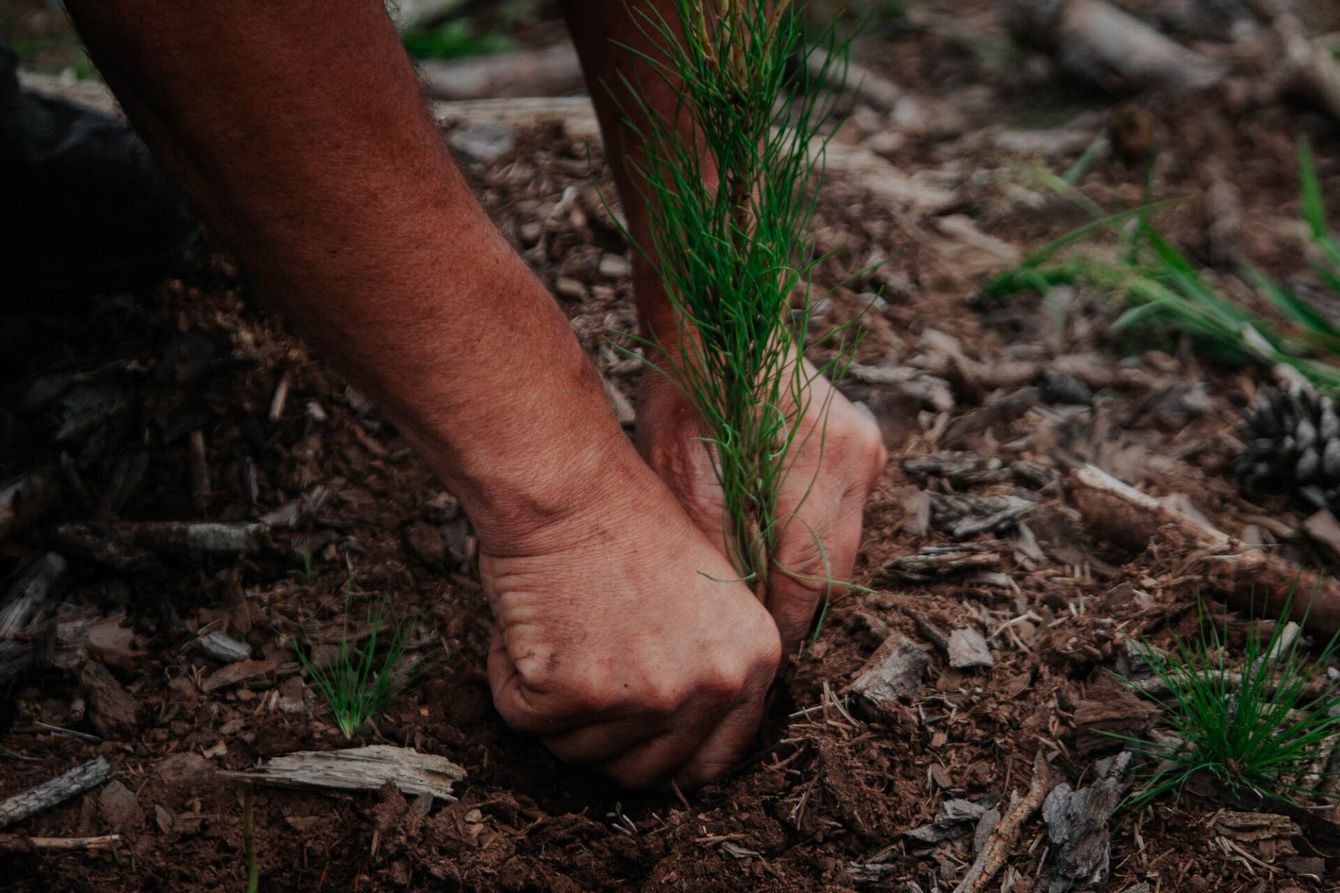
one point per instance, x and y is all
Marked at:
(614, 266)
(183, 769)
(119, 808)
(426, 542)
(224, 648)
(237, 673)
(111, 710)
(968, 649)
(570, 288)
(484, 141)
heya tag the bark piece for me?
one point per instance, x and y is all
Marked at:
(58, 790)
(111, 710)
(1077, 826)
(111, 643)
(360, 769)
(893, 671)
(25, 636)
(961, 468)
(119, 807)
(940, 562)
(1249, 579)
(224, 648)
(1109, 709)
(964, 517)
(997, 411)
(968, 649)
(955, 818)
(237, 673)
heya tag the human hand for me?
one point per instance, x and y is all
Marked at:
(616, 646)
(836, 465)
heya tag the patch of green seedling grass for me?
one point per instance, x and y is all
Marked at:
(365, 675)
(1162, 288)
(734, 195)
(1258, 725)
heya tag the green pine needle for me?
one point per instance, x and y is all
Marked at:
(355, 682)
(1254, 726)
(1161, 287)
(731, 256)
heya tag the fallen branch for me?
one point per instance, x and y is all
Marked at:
(991, 858)
(552, 71)
(58, 790)
(360, 769)
(1251, 580)
(132, 546)
(1109, 47)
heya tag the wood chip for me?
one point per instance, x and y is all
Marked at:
(895, 670)
(58, 790)
(1077, 826)
(360, 769)
(237, 673)
(968, 649)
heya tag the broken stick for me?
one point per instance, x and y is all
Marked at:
(12, 843)
(991, 858)
(58, 790)
(1109, 47)
(1251, 580)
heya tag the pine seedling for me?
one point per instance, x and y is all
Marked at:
(1259, 727)
(732, 175)
(356, 683)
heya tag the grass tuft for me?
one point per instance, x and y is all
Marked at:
(1258, 726)
(734, 195)
(357, 683)
(1162, 288)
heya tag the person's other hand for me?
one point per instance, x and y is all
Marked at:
(822, 499)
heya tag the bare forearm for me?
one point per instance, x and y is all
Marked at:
(304, 141)
(610, 36)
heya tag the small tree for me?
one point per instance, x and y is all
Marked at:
(733, 194)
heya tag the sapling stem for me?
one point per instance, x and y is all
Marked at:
(734, 193)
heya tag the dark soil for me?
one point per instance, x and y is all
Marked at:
(836, 780)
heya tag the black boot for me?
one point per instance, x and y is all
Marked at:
(83, 205)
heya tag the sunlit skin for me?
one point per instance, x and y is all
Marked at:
(304, 142)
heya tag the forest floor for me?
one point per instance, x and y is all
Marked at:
(192, 402)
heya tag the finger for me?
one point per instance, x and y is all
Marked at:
(653, 763)
(514, 702)
(824, 561)
(600, 742)
(723, 748)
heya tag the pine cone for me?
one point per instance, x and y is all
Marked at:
(1293, 445)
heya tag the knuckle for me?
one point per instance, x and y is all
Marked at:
(660, 699)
